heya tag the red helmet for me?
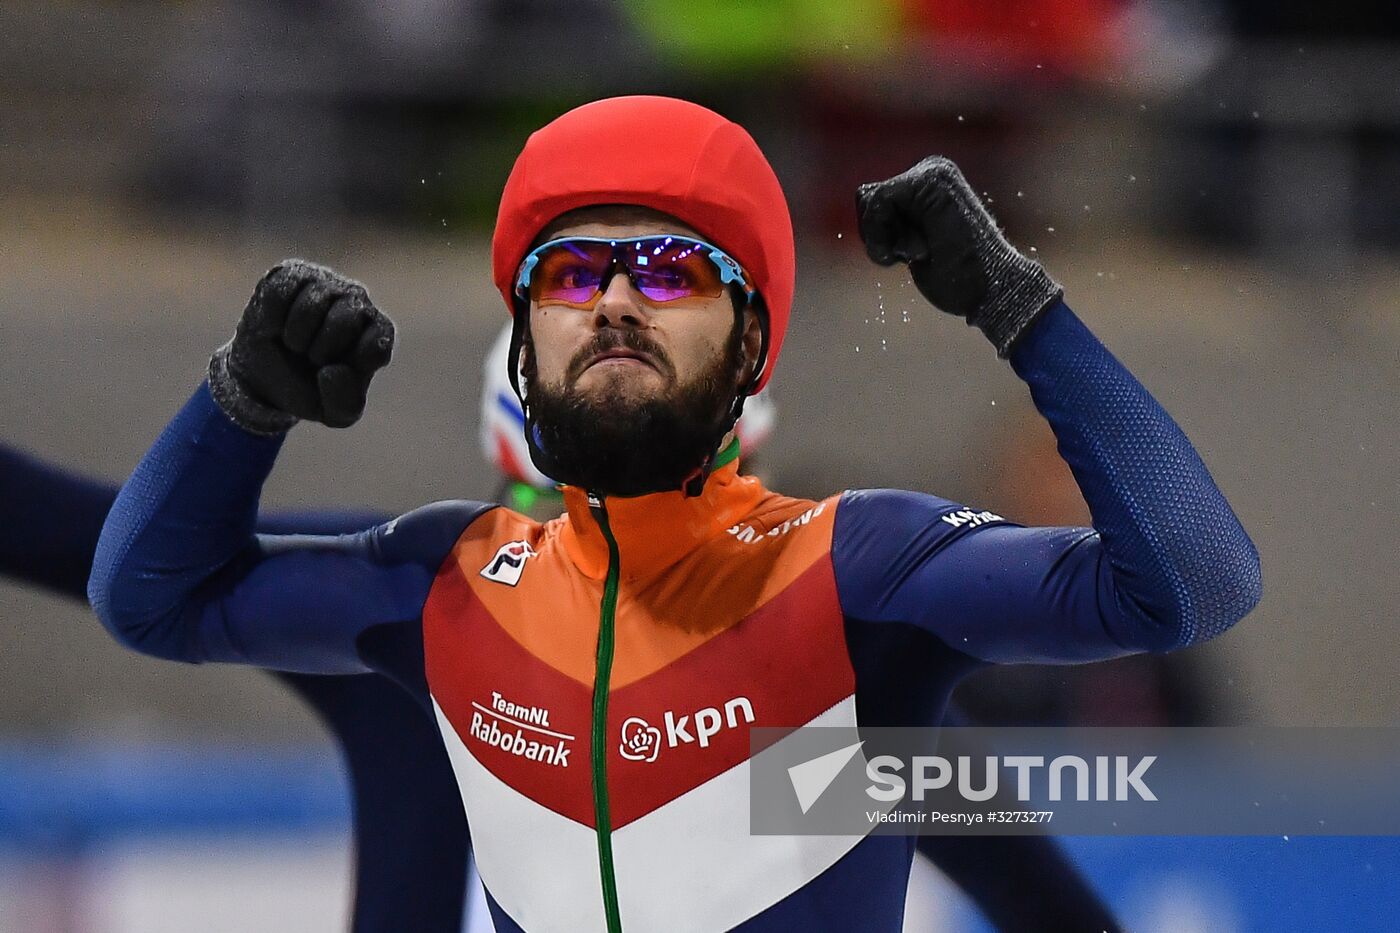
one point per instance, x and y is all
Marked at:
(666, 154)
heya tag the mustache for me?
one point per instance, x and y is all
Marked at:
(615, 339)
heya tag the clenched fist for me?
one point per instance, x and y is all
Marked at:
(930, 218)
(307, 346)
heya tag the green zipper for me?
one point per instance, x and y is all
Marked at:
(602, 677)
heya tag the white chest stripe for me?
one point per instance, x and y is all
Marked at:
(542, 868)
(690, 865)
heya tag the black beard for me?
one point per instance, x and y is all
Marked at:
(623, 446)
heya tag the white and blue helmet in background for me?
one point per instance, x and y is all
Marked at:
(503, 421)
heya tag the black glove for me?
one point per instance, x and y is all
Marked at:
(929, 218)
(307, 346)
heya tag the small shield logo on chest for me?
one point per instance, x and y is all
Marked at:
(509, 563)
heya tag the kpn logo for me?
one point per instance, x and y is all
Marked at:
(642, 741)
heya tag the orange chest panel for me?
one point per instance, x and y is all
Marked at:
(744, 629)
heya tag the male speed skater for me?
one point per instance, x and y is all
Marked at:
(644, 248)
(1019, 883)
(410, 847)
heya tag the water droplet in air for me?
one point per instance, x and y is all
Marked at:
(839, 235)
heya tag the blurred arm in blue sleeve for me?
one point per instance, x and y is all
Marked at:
(410, 851)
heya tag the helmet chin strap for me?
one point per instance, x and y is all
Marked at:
(538, 455)
(694, 483)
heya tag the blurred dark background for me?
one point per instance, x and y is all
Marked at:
(1217, 185)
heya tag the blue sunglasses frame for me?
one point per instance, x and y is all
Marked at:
(730, 272)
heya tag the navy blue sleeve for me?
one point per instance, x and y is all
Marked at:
(411, 840)
(319, 522)
(49, 522)
(1166, 564)
(179, 572)
(50, 519)
(410, 848)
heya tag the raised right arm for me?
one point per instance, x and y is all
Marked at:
(181, 574)
(179, 571)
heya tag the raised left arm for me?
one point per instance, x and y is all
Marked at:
(1167, 563)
